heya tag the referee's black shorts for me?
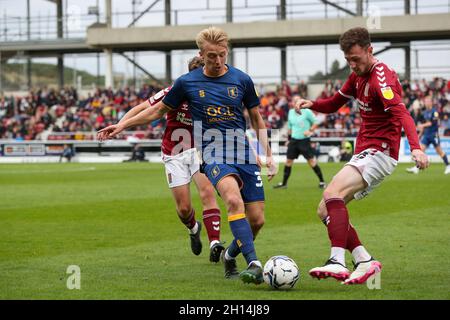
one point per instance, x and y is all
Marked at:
(300, 147)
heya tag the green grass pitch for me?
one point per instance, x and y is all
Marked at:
(118, 224)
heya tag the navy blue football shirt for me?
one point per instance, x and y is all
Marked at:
(432, 116)
(217, 107)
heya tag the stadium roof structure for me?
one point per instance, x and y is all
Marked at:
(249, 34)
(101, 37)
(272, 33)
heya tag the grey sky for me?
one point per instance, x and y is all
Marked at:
(303, 61)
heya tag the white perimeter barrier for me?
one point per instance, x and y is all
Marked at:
(120, 150)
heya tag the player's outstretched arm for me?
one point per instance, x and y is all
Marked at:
(131, 113)
(135, 110)
(399, 111)
(329, 105)
(424, 125)
(143, 117)
(261, 132)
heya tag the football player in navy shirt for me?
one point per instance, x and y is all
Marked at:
(430, 133)
(217, 95)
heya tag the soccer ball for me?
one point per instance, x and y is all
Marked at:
(281, 272)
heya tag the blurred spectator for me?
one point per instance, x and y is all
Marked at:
(303, 89)
(67, 153)
(274, 120)
(346, 151)
(445, 124)
(138, 154)
(347, 120)
(48, 113)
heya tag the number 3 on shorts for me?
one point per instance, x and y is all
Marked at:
(259, 184)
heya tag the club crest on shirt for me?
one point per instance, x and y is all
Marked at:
(215, 171)
(232, 92)
(387, 92)
(201, 93)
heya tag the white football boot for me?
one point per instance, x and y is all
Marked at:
(414, 170)
(447, 169)
(363, 271)
(332, 269)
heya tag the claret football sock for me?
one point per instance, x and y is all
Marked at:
(211, 221)
(352, 239)
(338, 222)
(190, 222)
(194, 229)
(352, 236)
(243, 236)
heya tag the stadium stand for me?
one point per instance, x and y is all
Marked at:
(47, 114)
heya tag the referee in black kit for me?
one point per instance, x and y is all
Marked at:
(301, 128)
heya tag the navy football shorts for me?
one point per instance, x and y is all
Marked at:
(427, 140)
(248, 177)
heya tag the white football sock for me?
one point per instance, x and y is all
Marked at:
(194, 229)
(360, 254)
(255, 262)
(213, 243)
(228, 257)
(338, 254)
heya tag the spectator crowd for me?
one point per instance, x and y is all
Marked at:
(347, 119)
(64, 114)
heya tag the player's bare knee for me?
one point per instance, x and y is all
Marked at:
(235, 203)
(256, 226)
(184, 210)
(208, 198)
(257, 222)
(327, 194)
(331, 192)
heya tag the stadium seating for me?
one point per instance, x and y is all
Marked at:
(47, 114)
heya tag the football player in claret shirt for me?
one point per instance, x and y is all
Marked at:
(217, 95)
(430, 133)
(182, 165)
(376, 89)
